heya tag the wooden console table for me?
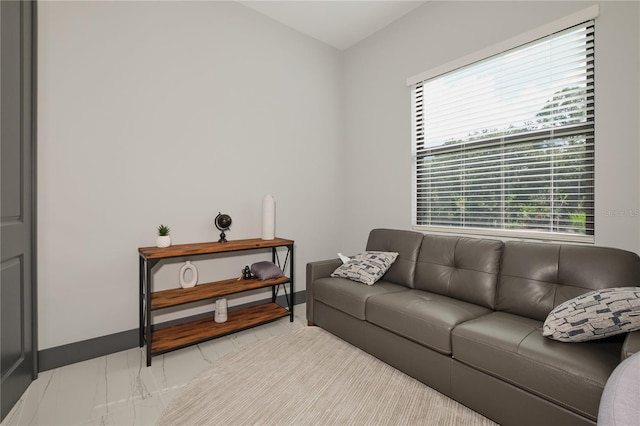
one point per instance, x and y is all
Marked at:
(193, 332)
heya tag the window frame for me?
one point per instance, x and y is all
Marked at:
(562, 24)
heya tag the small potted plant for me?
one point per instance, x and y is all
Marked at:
(163, 240)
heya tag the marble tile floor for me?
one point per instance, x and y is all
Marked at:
(119, 389)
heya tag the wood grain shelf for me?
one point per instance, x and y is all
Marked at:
(180, 296)
(179, 336)
(210, 247)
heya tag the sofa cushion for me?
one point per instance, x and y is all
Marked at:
(367, 267)
(595, 315)
(406, 244)
(512, 348)
(619, 404)
(462, 268)
(350, 296)
(537, 277)
(631, 345)
(426, 318)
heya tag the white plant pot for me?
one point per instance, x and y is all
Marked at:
(163, 241)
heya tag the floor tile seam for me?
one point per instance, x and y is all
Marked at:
(125, 404)
(162, 389)
(134, 398)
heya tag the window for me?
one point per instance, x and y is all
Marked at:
(506, 144)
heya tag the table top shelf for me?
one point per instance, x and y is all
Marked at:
(180, 296)
(210, 247)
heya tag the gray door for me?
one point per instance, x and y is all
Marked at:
(17, 204)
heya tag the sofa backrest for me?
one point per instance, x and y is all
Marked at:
(406, 244)
(537, 277)
(462, 268)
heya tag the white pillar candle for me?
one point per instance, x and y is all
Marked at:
(268, 217)
(220, 314)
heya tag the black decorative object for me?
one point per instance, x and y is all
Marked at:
(223, 223)
(246, 273)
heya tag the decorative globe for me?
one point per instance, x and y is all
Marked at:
(223, 222)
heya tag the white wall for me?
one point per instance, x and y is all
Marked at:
(169, 112)
(377, 106)
(144, 107)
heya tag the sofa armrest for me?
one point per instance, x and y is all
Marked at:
(315, 270)
(631, 345)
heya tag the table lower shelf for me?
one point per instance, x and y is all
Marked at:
(179, 336)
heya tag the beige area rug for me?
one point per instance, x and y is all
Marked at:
(310, 377)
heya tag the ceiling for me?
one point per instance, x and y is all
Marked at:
(338, 23)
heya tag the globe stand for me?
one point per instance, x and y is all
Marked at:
(223, 237)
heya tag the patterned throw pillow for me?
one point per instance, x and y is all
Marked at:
(367, 267)
(595, 315)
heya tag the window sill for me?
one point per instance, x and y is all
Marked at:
(505, 235)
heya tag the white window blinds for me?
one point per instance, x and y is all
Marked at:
(507, 143)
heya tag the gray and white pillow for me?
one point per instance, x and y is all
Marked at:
(367, 267)
(595, 315)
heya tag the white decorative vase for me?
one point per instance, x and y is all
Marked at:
(194, 275)
(221, 310)
(268, 217)
(163, 241)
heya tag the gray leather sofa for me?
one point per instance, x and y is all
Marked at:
(465, 315)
